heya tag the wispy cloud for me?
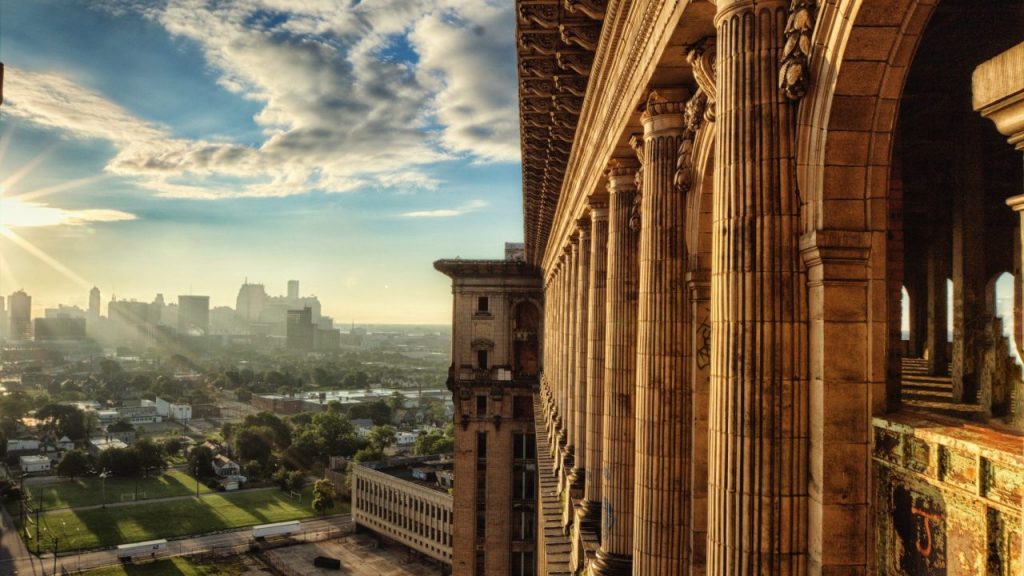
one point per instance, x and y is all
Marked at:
(365, 94)
(15, 213)
(466, 208)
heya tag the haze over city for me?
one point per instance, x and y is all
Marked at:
(210, 142)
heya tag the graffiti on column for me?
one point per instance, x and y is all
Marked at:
(704, 339)
(919, 522)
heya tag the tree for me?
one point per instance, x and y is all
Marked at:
(150, 456)
(64, 420)
(254, 443)
(435, 442)
(122, 462)
(74, 463)
(172, 446)
(323, 495)
(200, 461)
(121, 425)
(368, 454)
(382, 437)
(378, 411)
(282, 432)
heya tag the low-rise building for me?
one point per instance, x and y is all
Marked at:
(101, 444)
(224, 466)
(30, 464)
(173, 411)
(20, 446)
(395, 501)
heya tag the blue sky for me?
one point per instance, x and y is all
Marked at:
(185, 145)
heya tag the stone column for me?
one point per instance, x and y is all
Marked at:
(757, 493)
(938, 272)
(698, 350)
(572, 311)
(615, 556)
(576, 479)
(662, 431)
(589, 511)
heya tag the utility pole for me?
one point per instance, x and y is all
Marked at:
(55, 541)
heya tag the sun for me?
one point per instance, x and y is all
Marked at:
(16, 213)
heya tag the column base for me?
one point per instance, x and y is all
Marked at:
(588, 514)
(607, 564)
(574, 481)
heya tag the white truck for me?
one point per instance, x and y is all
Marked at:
(275, 529)
(149, 548)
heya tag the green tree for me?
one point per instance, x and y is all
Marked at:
(435, 442)
(378, 411)
(150, 456)
(121, 425)
(323, 495)
(254, 443)
(122, 462)
(200, 461)
(172, 446)
(73, 463)
(282, 432)
(382, 437)
(64, 420)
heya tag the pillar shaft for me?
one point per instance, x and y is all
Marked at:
(938, 273)
(619, 377)
(698, 350)
(758, 433)
(662, 431)
(596, 317)
(571, 312)
(580, 381)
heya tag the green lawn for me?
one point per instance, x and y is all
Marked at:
(89, 491)
(171, 519)
(173, 567)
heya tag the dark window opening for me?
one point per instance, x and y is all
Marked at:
(482, 304)
(481, 359)
(481, 405)
(481, 445)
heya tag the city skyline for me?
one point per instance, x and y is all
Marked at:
(255, 139)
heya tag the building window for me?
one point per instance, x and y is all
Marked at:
(524, 446)
(481, 405)
(524, 483)
(481, 445)
(522, 408)
(523, 563)
(482, 304)
(481, 359)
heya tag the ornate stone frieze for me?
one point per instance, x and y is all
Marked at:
(583, 34)
(537, 86)
(591, 8)
(563, 120)
(570, 84)
(795, 72)
(569, 104)
(535, 104)
(542, 67)
(540, 41)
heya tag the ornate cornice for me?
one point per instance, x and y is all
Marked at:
(795, 70)
(591, 8)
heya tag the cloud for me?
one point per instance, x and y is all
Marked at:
(352, 95)
(466, 208)
(15, 213)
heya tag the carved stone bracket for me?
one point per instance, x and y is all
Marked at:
(540, 41)
(582, 34)
(591, 8)
(571, 84)
(543, 15)
(576, 61)
(795, 69)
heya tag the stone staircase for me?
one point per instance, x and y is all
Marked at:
(922, 391)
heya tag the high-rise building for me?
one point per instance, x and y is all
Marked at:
(60, 328)
(194, 315)
(94, 303)
(3, 318)
(129, 321)
(495, 370)
(300, 330)
(293, 290)
(21, 316)
(251, 300)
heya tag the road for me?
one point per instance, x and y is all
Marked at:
(15, 558)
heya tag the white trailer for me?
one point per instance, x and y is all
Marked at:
(136, 549)
(276, 529)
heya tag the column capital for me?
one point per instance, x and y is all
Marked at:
(598, 205)
(998, 94)
(664, 113)
(583, 226)
(836, 254)
(726, 8)
(1016, 203)
(621, 174)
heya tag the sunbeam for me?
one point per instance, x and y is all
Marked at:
(43, 256)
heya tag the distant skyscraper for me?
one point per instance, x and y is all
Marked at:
(94, 302)
(251, 301)
(300, 329)
(293, 289)
(194, 314)
(21, 316)
(3, 318)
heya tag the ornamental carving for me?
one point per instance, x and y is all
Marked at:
(795, 68)
(702, 58)
(570, 83)
(570, 104)
(576, 61)
(537, 86)
(591, 8)
(684, 165)
(634, 211)
(543, 15)
(582, 34)
(694, 112)
(535, 104)
(482, 344)
(540, 41)
(563, 119)
(542, 67)
(658, 104)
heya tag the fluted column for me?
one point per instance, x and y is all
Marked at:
(615, 555)
(580, 342)
(662, 433)
(571, 312)
(758, 428)
(698, 351)
(590, 507)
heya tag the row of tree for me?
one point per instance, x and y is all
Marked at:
(142, 459)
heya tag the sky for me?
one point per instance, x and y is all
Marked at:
(184, 146)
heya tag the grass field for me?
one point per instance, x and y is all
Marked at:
(170, 519)
(89, 491)
(172, 567)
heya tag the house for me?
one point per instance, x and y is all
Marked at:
(214, 447)
(21, 446)
(31, 464)
(65, 443)
(363, 426)
(224, 466)
(101, 444)
(406, 438)
(172, 411)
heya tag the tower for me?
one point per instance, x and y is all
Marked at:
(21, 315)
(293, 289)
(94, 302)
(495, 370)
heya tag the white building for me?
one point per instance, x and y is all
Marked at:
(173, 411)
(34, 464)
(22, 445)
